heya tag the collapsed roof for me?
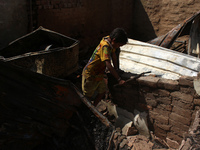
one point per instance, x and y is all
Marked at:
(190, 27)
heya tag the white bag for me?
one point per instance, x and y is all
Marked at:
(140, 122)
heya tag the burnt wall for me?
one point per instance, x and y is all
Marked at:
(85, 20)
(171, 104)
(13, 20)
(88, 20)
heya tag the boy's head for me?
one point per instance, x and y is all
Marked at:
(118, 37)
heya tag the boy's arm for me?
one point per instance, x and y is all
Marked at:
(114, 59)
(113, 72)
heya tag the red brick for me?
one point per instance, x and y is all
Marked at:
(183, 120)
(44, 2)
(145, 89)
(162, 92)
(157, 117)
(152, 103)
(183, 112)
(168, 84)
(160, 132)
(178, 125)
(148, 81)
(149, 96)
(197, 102)
(165, 107)
(178, 131)
(53, 2)
(188, 90)
(186, 98)
(172, 143)
(162, 112)
(186, 81)
(37, 2)
(182, 104)
(150, 99)
(39, 7)
(163, 126)
(164, 100)
(175, 137)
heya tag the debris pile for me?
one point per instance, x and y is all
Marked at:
(86, 132)
(131, 130)
(192, 140)
(40, 112)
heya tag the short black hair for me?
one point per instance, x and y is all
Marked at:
(120, 35)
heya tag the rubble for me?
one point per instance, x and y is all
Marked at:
(40, 112)
(192, 139)
(126, 135)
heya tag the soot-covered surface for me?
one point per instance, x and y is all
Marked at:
(86, 132)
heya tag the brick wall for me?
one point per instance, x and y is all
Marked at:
(171, 104)
(85, 20)
(160, 16)
(89, 20)
(13, 20)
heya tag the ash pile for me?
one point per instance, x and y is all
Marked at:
(131, 129)
(86, 132)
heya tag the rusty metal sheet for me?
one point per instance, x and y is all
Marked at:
(44, 51)
(182, 29)
(137, 57)
(194, 39)
(35, 107)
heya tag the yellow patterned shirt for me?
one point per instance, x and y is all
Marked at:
(96, 66)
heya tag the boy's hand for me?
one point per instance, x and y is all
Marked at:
(121, 82)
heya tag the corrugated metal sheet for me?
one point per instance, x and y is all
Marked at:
(137, 57)
(34, 107)
(44, 51)
(169, 38)
(194, 40)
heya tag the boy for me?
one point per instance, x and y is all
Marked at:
(93, 73)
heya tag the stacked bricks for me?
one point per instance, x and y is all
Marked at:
(171, 105)
(63, 16)
(54, 4)
(87, 21)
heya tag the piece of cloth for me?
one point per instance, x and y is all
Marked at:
(90, 86)
(96, 66)
(93, 73)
